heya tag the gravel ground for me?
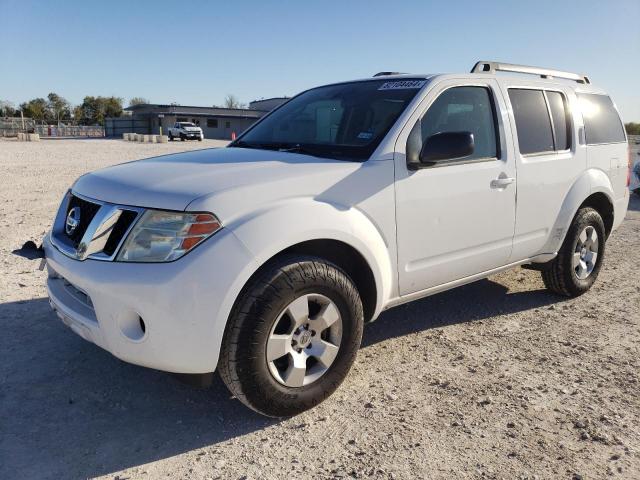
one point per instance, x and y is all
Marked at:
(497, 379)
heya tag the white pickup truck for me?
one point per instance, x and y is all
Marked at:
(185, 131)
(264, 259)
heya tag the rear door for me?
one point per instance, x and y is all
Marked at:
(456, 220)
(549, 159)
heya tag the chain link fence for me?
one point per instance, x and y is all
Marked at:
(11, 126)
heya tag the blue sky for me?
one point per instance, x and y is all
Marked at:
(195, 53)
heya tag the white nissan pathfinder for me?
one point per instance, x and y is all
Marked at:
(264, 259)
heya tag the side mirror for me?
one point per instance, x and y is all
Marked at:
(445, 146)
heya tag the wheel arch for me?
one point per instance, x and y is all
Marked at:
(344, 236)
(601, 203)
(348, 259)
(591, 189)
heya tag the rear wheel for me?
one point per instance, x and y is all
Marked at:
(292, 336)
(170, 137)
(578, 263)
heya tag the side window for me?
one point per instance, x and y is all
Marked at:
(560, 117)
(464, 109)
(532, 120)
(212, 122)
(601, 121)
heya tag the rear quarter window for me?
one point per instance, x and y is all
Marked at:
(602, 124)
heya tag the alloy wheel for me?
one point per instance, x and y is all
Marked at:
(585, 253)
(304, 340)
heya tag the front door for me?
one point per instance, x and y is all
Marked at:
(456, 219)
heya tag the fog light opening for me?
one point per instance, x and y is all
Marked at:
(132, 326)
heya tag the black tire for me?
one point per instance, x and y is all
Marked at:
(181, 137)
(170, 137)
(199, 139)
(243, 363)
(560, 276)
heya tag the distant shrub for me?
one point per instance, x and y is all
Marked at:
(632, 128)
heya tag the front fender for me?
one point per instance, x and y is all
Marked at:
(589, 182)
(267, 233)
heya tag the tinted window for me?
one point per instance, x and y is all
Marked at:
(347, 120)
(560, 117)
(464, 109)
(532, 121)
(212, 122)
(601, 121)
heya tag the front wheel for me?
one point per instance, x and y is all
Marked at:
(578, 263)
(292, 336)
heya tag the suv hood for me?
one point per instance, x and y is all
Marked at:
(239, 175)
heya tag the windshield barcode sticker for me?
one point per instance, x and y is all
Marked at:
(402, 84)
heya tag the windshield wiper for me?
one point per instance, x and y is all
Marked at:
(243, 144)
(297, 148)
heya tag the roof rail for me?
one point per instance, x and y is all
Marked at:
(384, 74)
(484, 66)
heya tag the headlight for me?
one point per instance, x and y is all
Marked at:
(165, 236)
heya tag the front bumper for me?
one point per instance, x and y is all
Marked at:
(183, 305)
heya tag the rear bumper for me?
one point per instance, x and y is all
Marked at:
(184, 305)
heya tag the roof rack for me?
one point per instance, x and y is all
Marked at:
(384, 74)
(492, 67)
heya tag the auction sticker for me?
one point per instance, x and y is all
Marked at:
(402, 84)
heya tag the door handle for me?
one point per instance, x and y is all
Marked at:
(502, 182)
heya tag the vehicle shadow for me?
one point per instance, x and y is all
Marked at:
(476, 301)
(71, 410)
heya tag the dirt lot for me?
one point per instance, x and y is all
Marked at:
(497, 379)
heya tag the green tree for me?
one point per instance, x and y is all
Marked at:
(138, 101)
(59, 107)
(93, 110)
(38, 109)
(632, 128)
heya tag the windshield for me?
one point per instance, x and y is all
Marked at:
(345, 121)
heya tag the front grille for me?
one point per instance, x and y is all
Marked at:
(119, 230)
(88, 210)
(95, 230)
